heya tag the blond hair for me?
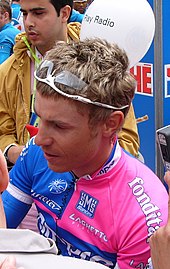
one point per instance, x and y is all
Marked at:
(101, 65)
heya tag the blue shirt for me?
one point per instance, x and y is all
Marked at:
(76, 16)
(7, 41)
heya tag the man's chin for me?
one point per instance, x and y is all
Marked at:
(56, 168)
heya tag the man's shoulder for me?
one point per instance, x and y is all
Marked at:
(11, 29)
(32, 148)
(14, 31)
(32, 155)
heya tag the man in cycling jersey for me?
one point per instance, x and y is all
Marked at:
(95, 200)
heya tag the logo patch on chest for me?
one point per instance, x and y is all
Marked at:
(87, 204)
(57, 186)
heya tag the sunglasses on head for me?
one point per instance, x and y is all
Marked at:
(68, 79)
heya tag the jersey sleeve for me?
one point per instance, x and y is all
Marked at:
(21, 175)
(15, 210)
(17, 198)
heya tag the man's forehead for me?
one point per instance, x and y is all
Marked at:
(34, 4)
(80, 1)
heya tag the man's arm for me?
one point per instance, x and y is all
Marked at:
(17, 199)
(160, 241)
(4, 179)
(128, 136)
(13, 153)
(2, 215)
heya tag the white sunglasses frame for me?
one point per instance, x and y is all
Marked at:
(68, 79)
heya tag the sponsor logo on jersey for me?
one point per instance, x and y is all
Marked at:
(44, 228)
(71, 248)
(140, 265)
(152, 212)
(24, 152)
(57, 186)
(92, 229)
(87, 204)
(73, 251)
(106, 168)
(116, 154)
(44, 199)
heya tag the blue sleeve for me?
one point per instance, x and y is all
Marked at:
(5, 51)
(27, 165)
(7, 41)
(15, 210)
(17, 198)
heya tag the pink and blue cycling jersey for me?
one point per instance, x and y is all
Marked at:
(106, 217)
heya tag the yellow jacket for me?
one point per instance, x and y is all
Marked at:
(15, 98)
(128, 137)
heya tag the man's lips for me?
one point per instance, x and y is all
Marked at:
(49, 156)
(32, 35)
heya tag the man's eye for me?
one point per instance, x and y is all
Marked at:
(57, 126)
(38, 13)
(60, 127)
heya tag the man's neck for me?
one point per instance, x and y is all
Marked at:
(96, 164)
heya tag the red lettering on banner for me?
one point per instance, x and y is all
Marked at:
(167, 80)
(136, 71)
(143, 73)
(147, 79)
(168, 71)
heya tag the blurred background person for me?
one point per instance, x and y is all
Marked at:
(79, 9)
(17, 16)
(7, 31)
(45, 22)
(76, 16)
(80, 5)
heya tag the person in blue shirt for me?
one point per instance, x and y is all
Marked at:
(80, 6)
(17, 15)
(76, 16)
(7, 31)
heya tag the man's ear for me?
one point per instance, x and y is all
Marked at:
(113, 123)
(6, 16)
(65, 13)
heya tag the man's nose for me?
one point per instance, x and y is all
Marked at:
(43, 136)
(29, 21)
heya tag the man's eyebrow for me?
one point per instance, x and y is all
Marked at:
(55, 121)
(33, 9)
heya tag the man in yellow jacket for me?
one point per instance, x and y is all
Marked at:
(45, 23)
